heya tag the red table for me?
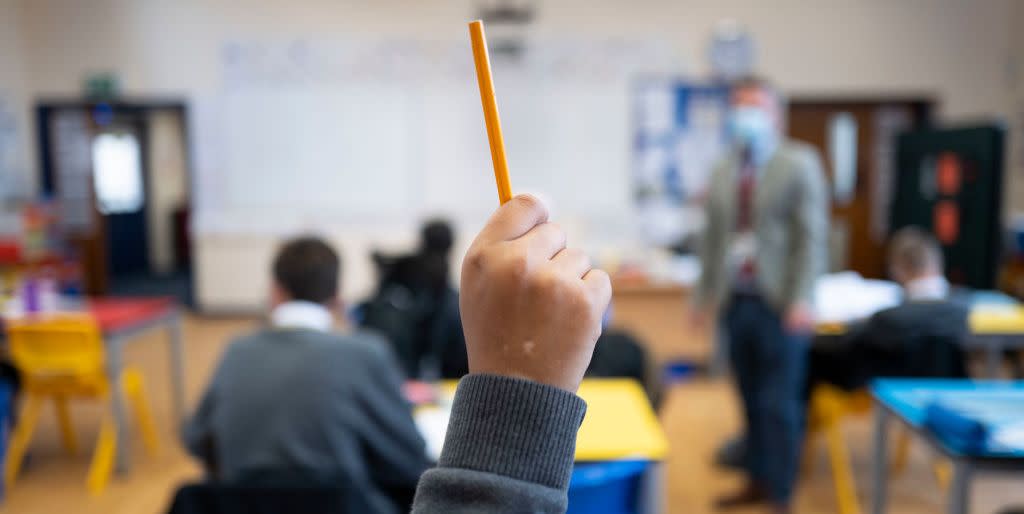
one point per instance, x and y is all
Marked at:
(122, 320)
(115, 314)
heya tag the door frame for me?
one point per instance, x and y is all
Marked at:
(140, 107)
(922, 104)
(922, 107)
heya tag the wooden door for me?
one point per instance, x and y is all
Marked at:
(861, 221)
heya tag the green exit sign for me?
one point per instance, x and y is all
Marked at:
(103, 86)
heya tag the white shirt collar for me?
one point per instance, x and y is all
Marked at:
(302, 315)
(934, 287)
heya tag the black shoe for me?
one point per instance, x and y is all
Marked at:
(753, 494)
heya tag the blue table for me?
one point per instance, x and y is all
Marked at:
(907, 399)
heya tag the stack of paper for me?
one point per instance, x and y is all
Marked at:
(1010, 437)
(432, 423)
(844, 297)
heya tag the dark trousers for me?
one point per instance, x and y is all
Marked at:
(769, 365)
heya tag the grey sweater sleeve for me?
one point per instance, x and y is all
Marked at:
(509, 448)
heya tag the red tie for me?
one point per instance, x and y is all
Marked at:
(746, 197)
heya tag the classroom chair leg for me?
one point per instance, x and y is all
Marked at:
(135, 390)
(821, 413)
(67, 431)
(901, 455)
(842, 473)
(21, 438)
(103, 456)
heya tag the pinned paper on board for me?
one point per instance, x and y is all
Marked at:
(679, 134)
(842, 149)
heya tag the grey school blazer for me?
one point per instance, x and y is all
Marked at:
(791, 218)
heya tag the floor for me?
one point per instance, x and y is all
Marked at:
(697, 416)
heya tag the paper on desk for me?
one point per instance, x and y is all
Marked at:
(844, 297)
(1010, 437)
(684, 269)
(432, 423)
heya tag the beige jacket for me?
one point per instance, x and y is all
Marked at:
(791, 218)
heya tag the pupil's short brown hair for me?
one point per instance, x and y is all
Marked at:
(914, 250)
(307, 269)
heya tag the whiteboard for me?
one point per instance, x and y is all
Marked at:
(291, 146)
(335, 149)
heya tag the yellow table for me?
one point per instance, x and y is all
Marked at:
(997, 321)
(620, 425)
(995, 329)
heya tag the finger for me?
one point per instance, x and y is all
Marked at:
(572, 261)
(543, 242)
(517, 217)
(599, 286)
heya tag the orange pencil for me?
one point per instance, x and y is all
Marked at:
(490, 105)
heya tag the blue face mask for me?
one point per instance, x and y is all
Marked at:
(752, 129)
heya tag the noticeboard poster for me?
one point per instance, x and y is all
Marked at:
(679, 133)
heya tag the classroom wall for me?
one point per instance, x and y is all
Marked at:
(168, 173)
(15, 176)
(1016, 150)
(959, 52)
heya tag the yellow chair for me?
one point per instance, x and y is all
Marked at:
(941, 468)
(829, 406)
(62, 358)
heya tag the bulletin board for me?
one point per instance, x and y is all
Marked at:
(679, 134)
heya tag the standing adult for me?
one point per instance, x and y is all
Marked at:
(764, 245)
